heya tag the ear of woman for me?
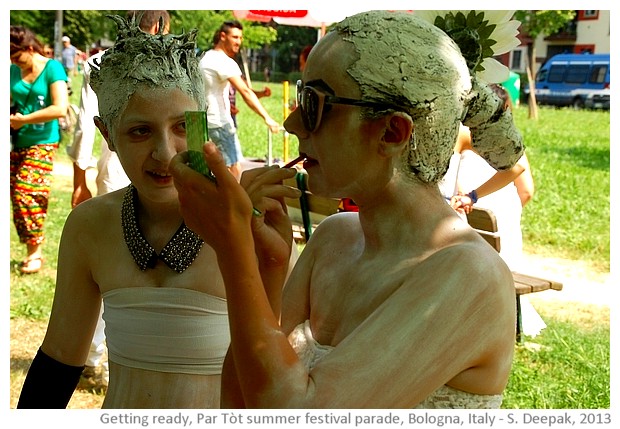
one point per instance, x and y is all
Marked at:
(398, 130)
(104, 131)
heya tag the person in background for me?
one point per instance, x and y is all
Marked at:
(110, 173)
(69, 58)
(39, 97)
(386, 307)
(220, 71)
(520, 175)
(164, 301)
(303, 57)
(453, 185)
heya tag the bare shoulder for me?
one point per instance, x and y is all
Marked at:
(475, 262)
(94, 216)
(337, 227)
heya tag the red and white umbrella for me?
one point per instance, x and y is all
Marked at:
(317, 18)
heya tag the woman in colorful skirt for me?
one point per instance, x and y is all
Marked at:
(38, 98)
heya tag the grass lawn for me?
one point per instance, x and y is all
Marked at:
(567, 366)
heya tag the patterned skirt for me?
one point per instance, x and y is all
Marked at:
(31, 179)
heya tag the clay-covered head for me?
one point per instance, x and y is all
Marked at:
(142, 60)
(405, 61)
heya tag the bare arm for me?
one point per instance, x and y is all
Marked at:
(58, 108)
(81, 192)
(525, 182)
(499, 180)
(252, 100)
(77, 299)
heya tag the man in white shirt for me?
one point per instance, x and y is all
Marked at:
(220, 71)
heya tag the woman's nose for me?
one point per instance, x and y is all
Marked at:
(294, 125)
(164, 149)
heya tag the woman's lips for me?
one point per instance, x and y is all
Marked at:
(159, 177)
(295, 161)
(307, 161)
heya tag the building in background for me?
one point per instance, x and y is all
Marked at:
(588, 32)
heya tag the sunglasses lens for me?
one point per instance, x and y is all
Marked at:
(308, 101)
(311, 106)
(312, 109)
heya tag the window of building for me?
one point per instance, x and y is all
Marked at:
(517, 59)
(587, 14)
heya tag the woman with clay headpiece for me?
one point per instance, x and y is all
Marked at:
(400, 305)
(163, 294)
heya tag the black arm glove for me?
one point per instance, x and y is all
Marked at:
(49, 383)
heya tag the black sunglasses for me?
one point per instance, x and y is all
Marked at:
(312, 103)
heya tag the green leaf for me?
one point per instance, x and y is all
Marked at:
(486, 32)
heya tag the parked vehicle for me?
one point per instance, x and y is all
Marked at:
(578, 80)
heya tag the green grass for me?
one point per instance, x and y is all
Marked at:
(569, 217)
(253, 131)
(569, 152)
(568, 365)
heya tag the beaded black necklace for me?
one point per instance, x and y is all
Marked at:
(178, 253)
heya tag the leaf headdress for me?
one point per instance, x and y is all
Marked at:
(481, 35)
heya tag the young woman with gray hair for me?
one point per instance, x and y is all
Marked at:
(163, 295)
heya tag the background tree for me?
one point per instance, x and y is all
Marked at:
(39, 21)
(84, 27)
(281, 44)
(291, 41)
(535, 23)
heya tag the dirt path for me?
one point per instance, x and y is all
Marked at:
(26, 337)
(581, 282)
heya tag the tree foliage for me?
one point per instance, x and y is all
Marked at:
(537, 22)
(291, 41)
(207, 22)
(86, 27)
(281, 44)
(39, 21)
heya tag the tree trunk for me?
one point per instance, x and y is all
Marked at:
(246, 69)
(532, 106)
